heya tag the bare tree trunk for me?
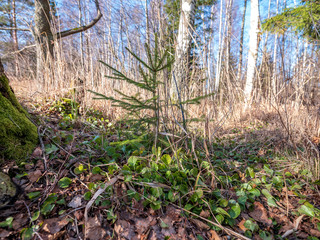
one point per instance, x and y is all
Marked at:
(241, 41)
(43, 36)
(228, 41)
(15, 36)
(181, 64)
(274, 68)
(253, 50)
(219, 63)
(81, 34)
(147, 22)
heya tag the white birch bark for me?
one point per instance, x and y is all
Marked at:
(180, 66)
(217, 78)
(274, 74)
(241, 41)
(253, 50)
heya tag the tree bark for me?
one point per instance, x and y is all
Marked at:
(15, 36)
(182, 52)
(220, 45)
(44, 36)
(253, 50)
(241, 40)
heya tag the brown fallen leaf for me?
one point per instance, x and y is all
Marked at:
(94, 229)
(205, 214)
(4, 233)
(124, 230)
(37, 153)
(156, 233)
(20, 221)
(96, 177)
(241, 225)
(34, 176)
(48, 236)
(142, 224)
(214, 235)
(201, 225)
(54, 225)
(79, 215)
(182, 233)
(40, 165)
(260, 214)
(315, 233)
(173, 213)
(75, 202)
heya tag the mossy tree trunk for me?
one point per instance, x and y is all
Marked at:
(18, 135)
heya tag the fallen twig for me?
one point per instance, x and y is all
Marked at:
(95, 196)
(295, 228)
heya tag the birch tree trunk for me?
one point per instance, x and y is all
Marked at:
(274, 74)
(182, 52)
(218, 71)
(253, 50)
(228, 42)
(241, 41)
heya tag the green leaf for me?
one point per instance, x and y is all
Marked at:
(266, 193)
(307, 210)
(62, 201)
(47, 208)
(188, 206)
(251, 225)
(251, 172)
(223, 202)
(96, 170)
(156, 205)
(27, 233)
(33, 195)
(35, 216)
(18, 176)
(271, 202)
(235, 211)
(199, 237)
(7, 222)
(51, 149)
(220, 218)
(80, 169)
(132, 161)
(64, 182)
(87, 196)
(222, 211)
(255, 192)
(199, 193)
(166, 158)
(61, 212)
(268, 170)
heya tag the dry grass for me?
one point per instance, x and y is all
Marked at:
(292, 128)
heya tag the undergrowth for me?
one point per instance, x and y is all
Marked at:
(237, 186)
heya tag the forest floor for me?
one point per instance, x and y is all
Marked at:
(97, 178)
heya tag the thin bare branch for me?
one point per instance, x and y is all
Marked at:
(82, 28)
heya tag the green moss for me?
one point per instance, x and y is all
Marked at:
(18, 136)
